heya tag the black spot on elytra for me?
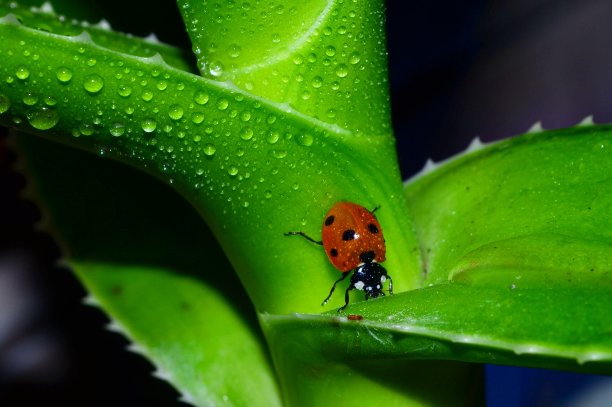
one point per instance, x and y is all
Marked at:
(330, 219)
(348, 234)
(333, 252)
(367, 257)
(372, 228)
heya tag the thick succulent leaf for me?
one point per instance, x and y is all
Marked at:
(517, 240)
(149, 262)
(325, 59)
(45, 19)
(248, 165)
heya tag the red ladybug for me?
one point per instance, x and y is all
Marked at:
(353, 241)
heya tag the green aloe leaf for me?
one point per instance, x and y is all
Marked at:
(325, 59)
(517, 240)
(148, 260)
(249, 166)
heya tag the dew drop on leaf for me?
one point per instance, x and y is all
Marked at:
(22, 73)
(232, 171)
(117, 130)
(330, 51)
(209, 149)
(30, 99)
(175, 112)
(124, 91)
(149, 125)
(246, 134)
(43, 118)
(222, 104)
(201, 98)
(93, 83)
(63, 74)
(341, 70)
(305, 139)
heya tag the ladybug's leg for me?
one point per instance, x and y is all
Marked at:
(375, 209)
(305, 236)
(346, 297)
(344, 275)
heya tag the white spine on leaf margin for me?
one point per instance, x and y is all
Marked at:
(476, 144)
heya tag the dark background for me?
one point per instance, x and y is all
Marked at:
(458, 70)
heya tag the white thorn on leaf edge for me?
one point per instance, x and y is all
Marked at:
(137, 349)
(187, 398)
(46, 7)
(90, 300)
(587, 121)
(103, 24)
(115, 326)
(162, 374)
(152, 38)
(536, 127)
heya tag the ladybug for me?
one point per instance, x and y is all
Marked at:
(353, 241)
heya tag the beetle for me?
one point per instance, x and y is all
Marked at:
(353, 241)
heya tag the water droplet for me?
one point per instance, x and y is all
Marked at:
(232, 171)
(317, 81)
(305, 95)
(201, 98)
(312, 57)
(43, 118)
(234, 50)
(149, 125)
(305, 139)
(5, 103)
(330, 51)
(147, 95)
(86, 129)
(63, 74)
(246, 133)
(93, 83)
(200, 171)
(335, 85)
(50, 101)
(331, 113)
(354, 58)
(209, 149)
(30, 99)
(273, 137)
(22, 73)
(162, 85)
(268, 194)
(245, 116)
(279, 153)
(341, 70)
(298, 59)
(276, 38)
(271, 119)
(175, 112)
(197, 118)
(117, 129)
(222, 104)
(215, 68)
(295, 186)
(197, 138)
(124, 91)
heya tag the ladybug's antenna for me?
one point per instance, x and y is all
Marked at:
(305, 236)
(375, 209)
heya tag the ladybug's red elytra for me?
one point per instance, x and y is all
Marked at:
(353, 241)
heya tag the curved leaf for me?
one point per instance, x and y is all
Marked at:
(249, 166)
(150, 263)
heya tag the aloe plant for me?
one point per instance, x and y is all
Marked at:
(499, 255)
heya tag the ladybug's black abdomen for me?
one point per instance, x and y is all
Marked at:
(369, 277)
